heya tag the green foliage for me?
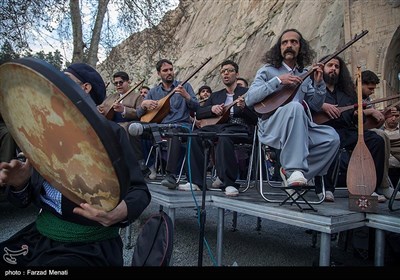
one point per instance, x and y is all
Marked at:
(7, 53)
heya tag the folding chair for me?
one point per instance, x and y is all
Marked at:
(296, 195)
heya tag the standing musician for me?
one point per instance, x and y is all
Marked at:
(181, 103)
(341, 92)
(307, 149)
(64, 233)
(125, 112)
(241, 120)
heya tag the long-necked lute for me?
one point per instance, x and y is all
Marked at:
(224, 116)
(109, 113)
(322, 117)
(163, 107)
(361, 172)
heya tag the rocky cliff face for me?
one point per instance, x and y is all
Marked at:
(242, 30)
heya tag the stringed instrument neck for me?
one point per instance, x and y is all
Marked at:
(109, 113)
(360, 120)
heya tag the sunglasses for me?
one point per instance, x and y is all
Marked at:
(118, 83)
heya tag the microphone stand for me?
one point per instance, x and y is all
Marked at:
(206, 138)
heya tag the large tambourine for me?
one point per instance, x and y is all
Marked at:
(57, 126)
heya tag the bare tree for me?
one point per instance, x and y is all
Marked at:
(22, 22)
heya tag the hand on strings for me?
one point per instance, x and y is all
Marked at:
(15, 173)
(114, 216)
(149, 104)
(290, 79)
(240, 102)
(318, 72)
(376, 115)
(218, 109)
(182, 92)
(331, 110)
(118, 107)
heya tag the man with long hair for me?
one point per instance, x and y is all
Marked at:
(306, 149)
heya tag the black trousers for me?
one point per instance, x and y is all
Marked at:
(225, 158)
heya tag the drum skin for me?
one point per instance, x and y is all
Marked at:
(56, 125)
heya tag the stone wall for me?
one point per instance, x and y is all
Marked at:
(243, 30)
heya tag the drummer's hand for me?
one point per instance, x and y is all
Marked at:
(15, 173)
(149, 104)
(116, 215)
(118, 107)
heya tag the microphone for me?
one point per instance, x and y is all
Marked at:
(136, 129)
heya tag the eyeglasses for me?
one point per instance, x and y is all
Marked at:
(231, 70)
(118, 83)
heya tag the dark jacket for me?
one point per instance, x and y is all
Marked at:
(137, 197)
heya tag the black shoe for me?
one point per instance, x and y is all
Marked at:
(169, 181)
(146, 172)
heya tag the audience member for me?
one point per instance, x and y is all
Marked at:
(242, 82)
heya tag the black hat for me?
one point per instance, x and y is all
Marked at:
(204, 87)
(86, 74)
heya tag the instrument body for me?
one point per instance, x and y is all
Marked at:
(224, 116)
(58, 128)
(361, 172)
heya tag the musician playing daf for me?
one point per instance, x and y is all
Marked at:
(181, 103)
(307, 149)
(65, 233)
(241, 119)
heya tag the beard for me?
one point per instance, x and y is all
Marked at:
(331, 79)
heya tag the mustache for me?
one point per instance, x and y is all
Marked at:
(289, 50)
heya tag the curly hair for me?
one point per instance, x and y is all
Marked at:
(345, 82)
(305, 56)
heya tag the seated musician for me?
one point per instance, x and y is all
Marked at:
(124, 112)
(241, 119)
(64, 233)
(341, 92)
(369, 82)
(307, 149)
(182, 101)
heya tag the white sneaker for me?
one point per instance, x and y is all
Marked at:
(388, 192)
(381, 198)
(297, 179)
(231, 191)
(186, 187)
(329, 197)
(217, 183)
